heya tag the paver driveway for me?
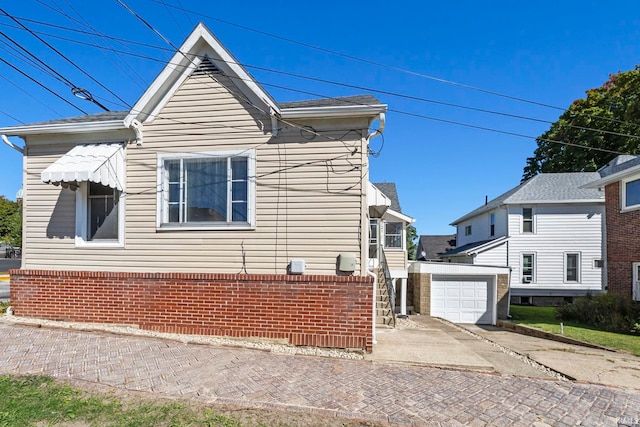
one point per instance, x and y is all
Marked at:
(360, 389)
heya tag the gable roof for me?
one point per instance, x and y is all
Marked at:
(475, 247)
(545, 188)
(434, 245)
(389, 190)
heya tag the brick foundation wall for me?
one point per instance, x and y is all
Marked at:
(421, 295)
(503, 296)
(623, 245)
(323, 311)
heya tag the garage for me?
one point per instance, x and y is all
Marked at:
(460, 293)
(462, 299)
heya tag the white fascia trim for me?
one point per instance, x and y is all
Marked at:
(487, 246)
(334, 111)
(400, 216)
(77, 127)
(200, 42)
(555, 202)
(600, 183)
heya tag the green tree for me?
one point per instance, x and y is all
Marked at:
(412, 235)
(10, 222)
(613, 108)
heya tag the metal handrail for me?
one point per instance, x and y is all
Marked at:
(389, 282)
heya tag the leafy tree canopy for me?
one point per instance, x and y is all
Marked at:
(412, 235)
(613, 108)
(10, 222)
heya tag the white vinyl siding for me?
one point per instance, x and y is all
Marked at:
(496, 256)
(312, 212)
(481, 227)
(560, 229)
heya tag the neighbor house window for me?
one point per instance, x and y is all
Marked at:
(598, 263)
(492, 225)
(99, 215)
(373, 239)
(393, 235)
(528, 268)
(527, 220)
(572, 267)
(207, 190)
(467, 230)
(631, 194)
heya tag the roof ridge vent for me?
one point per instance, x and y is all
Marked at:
(206, 67)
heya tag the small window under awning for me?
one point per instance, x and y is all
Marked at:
(99, 163)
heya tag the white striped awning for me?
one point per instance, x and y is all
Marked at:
(99, 163)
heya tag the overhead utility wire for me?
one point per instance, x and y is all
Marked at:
(378, 64)
(78, 91)
(29, 95)
(364, 88)
(42, 85)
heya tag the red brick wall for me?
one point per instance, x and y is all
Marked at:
(324, 311)
(623, 243)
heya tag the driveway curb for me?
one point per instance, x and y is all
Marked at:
(533, 332)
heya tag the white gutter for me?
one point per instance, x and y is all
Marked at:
(11, 144)
(334, 111)
(77, 127)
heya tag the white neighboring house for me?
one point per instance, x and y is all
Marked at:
(549, 230)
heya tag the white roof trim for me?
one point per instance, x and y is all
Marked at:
(600, 183)
(71, 127)
(489, 245)
(201, 42)
(99, 163)
(555, 202)
(333, 111)
(375, 197)
(400, 216)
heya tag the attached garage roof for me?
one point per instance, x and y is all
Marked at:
(99, 163)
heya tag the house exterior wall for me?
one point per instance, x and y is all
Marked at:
(323, 311)
(310, 193)
(494, 256)
(558, 229)
(623, 246)
(481, 227)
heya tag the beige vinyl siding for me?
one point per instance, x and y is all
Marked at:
(396, 259)
(310, 211)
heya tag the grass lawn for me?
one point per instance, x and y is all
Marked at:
(545, 318)
(38, 401)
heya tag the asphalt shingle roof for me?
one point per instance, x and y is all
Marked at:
(434, 245)
(619, 164)
(546, 187)
(389, 190)
(98, 117)
(333, 102)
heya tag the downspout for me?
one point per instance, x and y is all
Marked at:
(11, 144)
(274, 122)
(382, 119)
(137, 128)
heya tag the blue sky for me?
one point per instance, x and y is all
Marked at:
(549, 52)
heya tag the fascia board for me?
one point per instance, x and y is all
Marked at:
(400, 216)
(468, 217)
(600, 183)
(200, 42)
(78, 127)
(333, 111)
(555, 202)
(487, 246)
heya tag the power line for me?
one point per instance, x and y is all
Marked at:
(369, 89)
(83, 92)
(29, 95)
(41, 85)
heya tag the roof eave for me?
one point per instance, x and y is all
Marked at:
(468, 216)
(77, 127)
(333, 111)
(600, 183)
(400, 216)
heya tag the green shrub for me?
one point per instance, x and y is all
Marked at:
(609, 312)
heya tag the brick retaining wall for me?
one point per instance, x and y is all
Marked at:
(323, 311)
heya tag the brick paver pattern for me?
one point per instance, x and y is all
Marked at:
(402, 395)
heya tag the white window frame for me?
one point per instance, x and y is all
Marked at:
(533, 220)
(402, 236)
(623, 195)
(635, 284)
(82, 226)
(374, 239)
(161, 205)
(578, 267)
(468, 230)
(533, 267)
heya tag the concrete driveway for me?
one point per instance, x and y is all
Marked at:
(423, 340)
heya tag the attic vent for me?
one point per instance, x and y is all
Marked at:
(206, 67)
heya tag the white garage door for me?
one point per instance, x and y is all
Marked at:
(462, 299)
